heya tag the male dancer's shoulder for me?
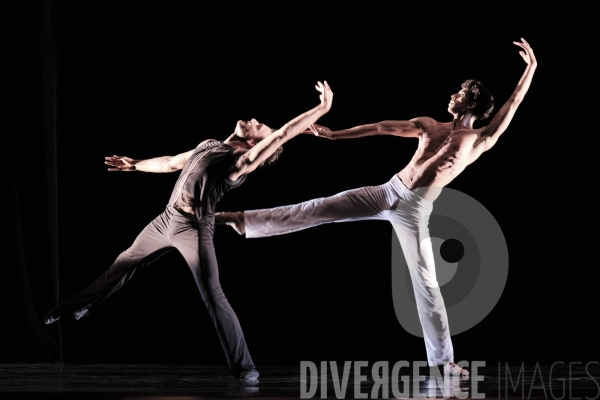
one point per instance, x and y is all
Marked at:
(424, 121)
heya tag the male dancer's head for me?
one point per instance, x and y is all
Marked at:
(248, 134)
(473, 101)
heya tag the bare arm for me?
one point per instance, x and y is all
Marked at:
(411, 128)
(158, 164)
(251, 159)
(502, 119)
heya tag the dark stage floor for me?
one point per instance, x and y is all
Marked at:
(43, 381)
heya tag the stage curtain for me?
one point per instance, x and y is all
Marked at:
(29, 274)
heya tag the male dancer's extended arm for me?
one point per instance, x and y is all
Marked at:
(498, 124)
(410, 128)
(158, 164)
(252, 158)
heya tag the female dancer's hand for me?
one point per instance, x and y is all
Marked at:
(120, 163)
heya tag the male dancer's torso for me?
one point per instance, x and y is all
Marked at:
(443, 153)
(204, 179)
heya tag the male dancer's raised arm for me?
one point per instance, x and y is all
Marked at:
(413, 128)
(249, 161)
(490, 134)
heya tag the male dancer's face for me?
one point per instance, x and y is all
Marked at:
(252, 129)
(459, 102)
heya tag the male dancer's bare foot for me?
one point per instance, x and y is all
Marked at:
(453, 369)
(232, 219)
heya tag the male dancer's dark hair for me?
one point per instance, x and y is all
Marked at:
(481, 96)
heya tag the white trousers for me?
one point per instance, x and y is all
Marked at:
(409, 215)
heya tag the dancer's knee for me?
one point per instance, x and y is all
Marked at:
(212, 296)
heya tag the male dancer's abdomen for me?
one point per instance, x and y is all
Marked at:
(428, 180)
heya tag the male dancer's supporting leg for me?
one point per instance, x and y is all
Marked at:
(199, 252)
(170, 230)
(408, 213)
(411, 224)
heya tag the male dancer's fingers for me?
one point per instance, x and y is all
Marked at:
(525, 46)
(521, 46)
(113, 163)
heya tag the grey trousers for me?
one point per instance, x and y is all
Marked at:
(409, 215)
(194, 240)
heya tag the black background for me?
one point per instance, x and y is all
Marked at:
(146, 80)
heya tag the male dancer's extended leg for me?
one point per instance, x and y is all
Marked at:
(150, 244)
(409, 215)
(195, 242)
(370, 202)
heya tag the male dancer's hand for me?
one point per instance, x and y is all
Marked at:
(326, 95)
(527, 54)
(319, 130)
(120, 163)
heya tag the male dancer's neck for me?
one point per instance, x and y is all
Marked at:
(464, 121)
(237, 142)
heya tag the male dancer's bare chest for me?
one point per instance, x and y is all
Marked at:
(443, 146)
(441, 155)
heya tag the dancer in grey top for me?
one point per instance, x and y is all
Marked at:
(187, 224)
(445, 149)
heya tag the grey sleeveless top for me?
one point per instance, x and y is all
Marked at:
(204, 179)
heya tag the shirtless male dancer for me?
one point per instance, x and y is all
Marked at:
(445, 150)
(208, 172)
